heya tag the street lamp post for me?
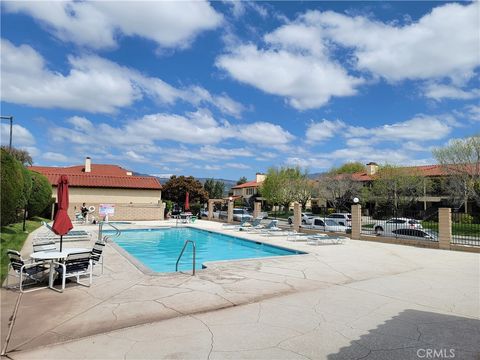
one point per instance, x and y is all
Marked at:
(11, 128)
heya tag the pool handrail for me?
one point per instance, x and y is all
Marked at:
(181, 253)
(100, 229)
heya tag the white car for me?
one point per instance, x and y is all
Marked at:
(306, 219)
(387, 226)
(344, 219)
(326, 224)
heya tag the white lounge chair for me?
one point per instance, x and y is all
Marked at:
(75, 265)
(73, 235)
(271, 226)
(324, 239)
(256, 224)
(34, 271)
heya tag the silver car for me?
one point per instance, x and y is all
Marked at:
(387, 226)
(306, 219)
(326, 224)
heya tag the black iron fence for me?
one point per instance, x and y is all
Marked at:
(403, 223)
(466, 229)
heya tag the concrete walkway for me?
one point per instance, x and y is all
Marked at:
(358, 300)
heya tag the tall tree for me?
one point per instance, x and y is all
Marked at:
(21, 155)
(242, 180)
(395, 187)
(215, 189)
(338, 189)
(175, 189)
(349, 168)
(460, 159)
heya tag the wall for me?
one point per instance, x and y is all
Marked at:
(130, 204)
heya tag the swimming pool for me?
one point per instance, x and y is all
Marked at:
(158, 249)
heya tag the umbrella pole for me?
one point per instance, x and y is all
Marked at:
(61, 241)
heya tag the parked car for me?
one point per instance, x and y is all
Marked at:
(239, 214)
(306, 219)
(387, 226)
(326, 224)
(344, 219)
(417, 234)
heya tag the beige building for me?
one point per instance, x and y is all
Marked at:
(108, 186)
(248, 189)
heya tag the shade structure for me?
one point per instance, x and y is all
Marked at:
(187, 201)
(62, 223)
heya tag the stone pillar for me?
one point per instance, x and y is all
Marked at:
(210, 210)
(162, 211)
(257, 208)
(444, 228)
(356, 221)
(230, 211)
(297, 216)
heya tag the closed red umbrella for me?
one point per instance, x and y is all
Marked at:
(62, 224)
(187, 202)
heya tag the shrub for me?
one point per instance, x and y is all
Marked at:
(41, 195)
(12, 186)
(462, 218)
(195, 208)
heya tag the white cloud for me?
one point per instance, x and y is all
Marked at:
(21, 137)
(93, 84)
(323, 130)
(54, 156)
(473, 112)
(264, 134)
(98, 24)
(234, 165)
(421, 50)
(441, 91)
(198, 127)
(306, 81)
(224, 153)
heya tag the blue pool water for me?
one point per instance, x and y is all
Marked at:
(158, 249)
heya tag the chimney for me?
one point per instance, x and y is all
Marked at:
(372, 168)
(129, 173)
(88, 164)
(259, 177)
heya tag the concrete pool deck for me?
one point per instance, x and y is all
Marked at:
(360, 299)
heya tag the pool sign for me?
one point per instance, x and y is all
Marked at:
(106, 209)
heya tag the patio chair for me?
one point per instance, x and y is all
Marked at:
(244, 222)
(75, 265)
(44, 245)
(271, 226)
(73, 235)
(34, 271)
(71, 232)
(323, 239)
(97, 253)
(255, 225)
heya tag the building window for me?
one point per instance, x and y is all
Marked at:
(249, 191)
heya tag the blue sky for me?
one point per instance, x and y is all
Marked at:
(226, 89)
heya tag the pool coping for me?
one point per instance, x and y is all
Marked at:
(147, 271)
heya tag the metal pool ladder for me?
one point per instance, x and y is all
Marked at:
(181, 253)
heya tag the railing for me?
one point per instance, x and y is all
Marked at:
(181, 253)
(100, 230)
(466, 229)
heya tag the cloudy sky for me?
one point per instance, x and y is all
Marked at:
(226, 89)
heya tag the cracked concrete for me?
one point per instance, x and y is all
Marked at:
(360, 300)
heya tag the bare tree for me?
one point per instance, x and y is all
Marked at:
(460, 160)
(338, 189)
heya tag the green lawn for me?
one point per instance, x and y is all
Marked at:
(13, 237)
(280, 214)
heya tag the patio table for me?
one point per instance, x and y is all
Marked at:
(50, 256)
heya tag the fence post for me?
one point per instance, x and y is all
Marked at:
(230, 211)
(210, 210)
(356, 221)
(444, 228)
(297, 216)
(257, 209)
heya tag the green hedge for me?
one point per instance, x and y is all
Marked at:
(12, 188)
(41, 195)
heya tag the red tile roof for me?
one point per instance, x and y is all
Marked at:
(247, 184)
(103, 176)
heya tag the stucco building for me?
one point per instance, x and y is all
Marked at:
(132, 197)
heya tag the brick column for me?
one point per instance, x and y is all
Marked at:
(230, 212)
(356, 221)
(444, 228)
(297, 216)
(257, 208)
(210, 210)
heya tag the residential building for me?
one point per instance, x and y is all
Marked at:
(132, 197)
(250, 188)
